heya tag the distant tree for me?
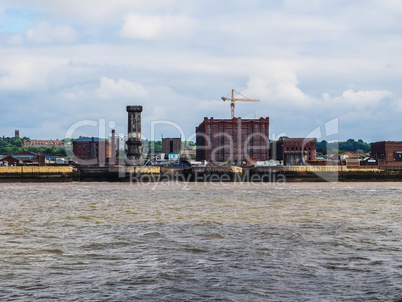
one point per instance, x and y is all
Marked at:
(352, 146)
(120, 154)
(12, 145)
(349, 145)
(152, 146)
(321, 147)
(187, 144)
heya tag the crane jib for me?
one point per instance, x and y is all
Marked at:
(233, 100)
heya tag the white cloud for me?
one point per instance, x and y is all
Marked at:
(361, 99)
(24, 74)
(397, 104)
(74, 95)
(277, 86)
(45, 33)
(154, 26)
(95, 11)
(16, 40)
(298, 58)
(110, 89)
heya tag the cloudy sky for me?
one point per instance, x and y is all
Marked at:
(67, 64)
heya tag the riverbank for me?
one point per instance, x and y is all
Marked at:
(38, 174)
(239, 174)
(199, 174)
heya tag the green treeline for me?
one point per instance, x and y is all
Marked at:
(14, 145)
(350, 145)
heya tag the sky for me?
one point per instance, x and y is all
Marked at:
(329, 69)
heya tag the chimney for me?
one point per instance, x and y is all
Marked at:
(113, 151)
(134, 135)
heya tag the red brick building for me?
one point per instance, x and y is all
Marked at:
(10, 161)
(25, 158)
(171, 145)
(91, 151)
(387, 153)
(294, 151)
(234, 141)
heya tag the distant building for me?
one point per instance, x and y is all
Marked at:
(171, 145)
(91, 151)
(120, 142)
(50, 159)
(10, 161)
(188, 154)
(232, 140)
(25, 158)
(37, 143)
(17, 134)
(349, 159)
(294, 151)
(348, 155)
(387, 153)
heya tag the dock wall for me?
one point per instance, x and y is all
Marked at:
(239, 174)
(199, 174)
(37, 174)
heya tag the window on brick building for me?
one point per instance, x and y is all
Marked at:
(398, 155)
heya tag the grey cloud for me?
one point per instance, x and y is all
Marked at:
(308, 62)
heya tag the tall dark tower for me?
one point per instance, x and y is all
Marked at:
(134, 135)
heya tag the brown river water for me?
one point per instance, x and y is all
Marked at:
(201, 242)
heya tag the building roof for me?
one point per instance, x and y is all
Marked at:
(89, 139)
(234, 120)
(348, 155)
(387, 142)
(10, 158)
(297, 138)
(23, 156)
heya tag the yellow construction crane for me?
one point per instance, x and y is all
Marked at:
(233, 100)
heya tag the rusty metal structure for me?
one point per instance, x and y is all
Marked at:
(134, 135)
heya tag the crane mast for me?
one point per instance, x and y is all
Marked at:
(233, 100)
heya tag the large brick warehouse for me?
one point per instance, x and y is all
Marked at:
(234, 140)
(387, 153)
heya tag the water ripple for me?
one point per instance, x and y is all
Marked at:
(235, 242)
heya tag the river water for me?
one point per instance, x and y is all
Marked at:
(196, 242)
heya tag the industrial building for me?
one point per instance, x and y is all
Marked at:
(91, 151)
(234, 140)
(294, 151)
(37, 143)
(171, 145)
(25, 158)
(120, 141)
(387, 153)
